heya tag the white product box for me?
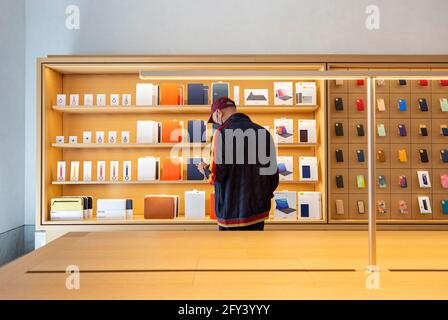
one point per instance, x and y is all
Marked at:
(307, 131)
(112, 137)
(126, 99)
(74, 171)
(74, 100)
(305, 93)
(127, 170)
(309, 205)
(284, 130)
(285, 165)
(147, 131)
(423, 179)
(111, 209)
(114, 171)
(236, 95)
(61, 100)
(61, 170)
(115, 100)
(424, 205)
(100, 137)
(87, 170)
(73, 139)
(148, 169)
(144, 94)
(308, 169)
(87, 137)
(256, 97)
(283, 94)
(285, 205)
(125, 136)
(60, 139)
(101, 170)
(88, 100)
(101, 99)
(195, 204)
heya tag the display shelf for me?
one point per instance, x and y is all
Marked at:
(157, 182)
(139, 219)
(182, 109)
(158, 145)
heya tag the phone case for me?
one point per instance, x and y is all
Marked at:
(403, 182)
(423, 83)
(444, 130)
(381, 130)
(403, 207)
(339, 104)
(444, 181)
(444, 205)
(339, 182)
(402, 82)
(304, 210)
(360, 130)
(360, 82)
(382, 182)
(381, 156)
(444, 155)
(423, 105)
(423, 130)
(303, 135)
(360, 182)
(361, 208)
(423, 156)
(339, 129)
(339, 156)
(444, 105)
(306, 172)
(402, 105)
(339, 207)
(402, 130)
(402, 156)
(381, 207)
(381, 106)
(360, 155)
(360, 104)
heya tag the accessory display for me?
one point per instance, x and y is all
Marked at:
(285, 165)
(444, 155)
(283, 93)
(284, 130)
(381, 207)
(444, 205)
(197, 94)
(171, 169)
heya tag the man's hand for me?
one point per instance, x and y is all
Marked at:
(202, 166)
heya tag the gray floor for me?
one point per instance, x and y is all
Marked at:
(16, 243)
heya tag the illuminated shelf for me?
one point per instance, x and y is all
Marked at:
(139, 219)
(183, 109)
(160, 145)
(157, 182)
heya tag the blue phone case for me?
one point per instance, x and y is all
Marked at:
(305, 210)
(306, 172)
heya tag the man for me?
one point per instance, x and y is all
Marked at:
(243, 169)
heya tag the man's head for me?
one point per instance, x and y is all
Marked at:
(222, 109)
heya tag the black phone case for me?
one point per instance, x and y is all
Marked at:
(339, 182)
(360, 130)
(339, 156)
(423, 156)
(339, 104)
(303, 135)
(360, 155)
(424, 132)
(339, 129)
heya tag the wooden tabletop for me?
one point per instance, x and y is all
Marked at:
(231, 265)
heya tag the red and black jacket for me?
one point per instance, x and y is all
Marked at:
(243, 193)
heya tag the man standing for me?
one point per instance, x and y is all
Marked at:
(243, 169)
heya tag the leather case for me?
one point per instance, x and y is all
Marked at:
(339, 182)
(171, 94)
(360, 130)
(444, 155)
(381, 156)
(381, 106)
(171, 131)
(360, 155)
(402, 156)
(160, 207)
(339, 130)
(339, 155)
(339, 104)
(402, 130)
(402, 105)
(381, 130)
(339, 207)
(402, 82)
(423, 105)
(171, 169)
(423, 155)
(423, 130)
(360, 104)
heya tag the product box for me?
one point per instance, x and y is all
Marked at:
(283, 94)
(309, 205)
(307, 131)
(305, 93)
(308, 169)
(284, 131)
(194, 204)
(285, 165)
(285, 205)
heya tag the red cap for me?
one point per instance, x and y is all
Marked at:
(221, 103)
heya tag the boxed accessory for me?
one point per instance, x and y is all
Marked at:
(194, 204)
(285, 205)
(309, 205)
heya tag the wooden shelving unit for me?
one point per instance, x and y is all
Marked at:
(161, 145)
(156, 182)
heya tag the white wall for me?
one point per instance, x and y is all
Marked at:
(224, 26)
(12, 116)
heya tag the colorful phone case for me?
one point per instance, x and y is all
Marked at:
(402, 130)
(402, 105)
(360, 182)
(444, 155)
(381, 130)
(402, 156)
(403, 182)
